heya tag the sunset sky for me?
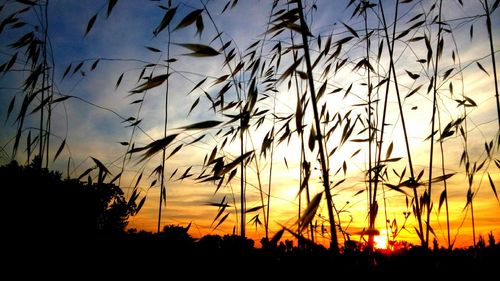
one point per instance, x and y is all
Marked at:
(93, 125)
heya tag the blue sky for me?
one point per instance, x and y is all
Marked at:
(122, 38)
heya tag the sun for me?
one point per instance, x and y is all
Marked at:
(380, 242)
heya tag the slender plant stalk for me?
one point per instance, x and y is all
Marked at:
(242, 150)
(42, 115)
(433, 124)
(267, 210)
(242, 182)
(163, 159)
(381, 140)
(371, 204)
(46, 81)
(319, 136)
(467, 170)
(268, 207)
(492, 50)
(259, 182)
(300, 132)
(391, 58)
(473, 220)
(443, 172)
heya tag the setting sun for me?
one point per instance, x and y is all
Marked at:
(380, 241)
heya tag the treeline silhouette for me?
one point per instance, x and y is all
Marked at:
(60, 225)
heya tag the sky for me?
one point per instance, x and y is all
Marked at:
(92, 124)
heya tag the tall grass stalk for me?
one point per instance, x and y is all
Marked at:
(319, 136)
(492, 51)
(303, 173)
(390, 46)
(428, 201)
(163, 192)
(371, 204)
(242, 129)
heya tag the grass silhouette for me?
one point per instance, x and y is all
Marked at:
(328, 96)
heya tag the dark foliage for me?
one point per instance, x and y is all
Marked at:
(38, 204)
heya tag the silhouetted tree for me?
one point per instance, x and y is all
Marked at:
(37, 202)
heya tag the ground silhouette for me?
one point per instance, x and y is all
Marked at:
(58, 226)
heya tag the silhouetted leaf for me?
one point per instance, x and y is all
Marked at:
(359, 192)
(100, 165)
(389, 150)
(151, 83)
(298, 117)
(412, 75)
(90, 24)
(403, 34)
(222, 207)
(155, 50)
(254, 209)
(200, 50)
(189, 19)
(412, 92)
(276, 238)
(194, 105)
(312, 139)
(111, 5)
(351, 30)
(66, 71)
(154, 146)
(394, 187)
(27, 2)
(59, 150)
(115, 178)
(85, 173)
(167, 18)
(201, 125)
(310, 212)
(197, 139)
(482, 68)
(447, 73)
(137, 101)
(173, 173)
(471, 101)
(228, 167)
(11, 107)
(176, 149)
(78, 67)
(321, 90)
(139, 206)
(290, 69)
(119, 81)
(197, 85)
(11, 62)
(94, 65)
(442, 197)
(492, 184)
(221, 220)
(494, 6)
(442, 178)
(429, 49)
